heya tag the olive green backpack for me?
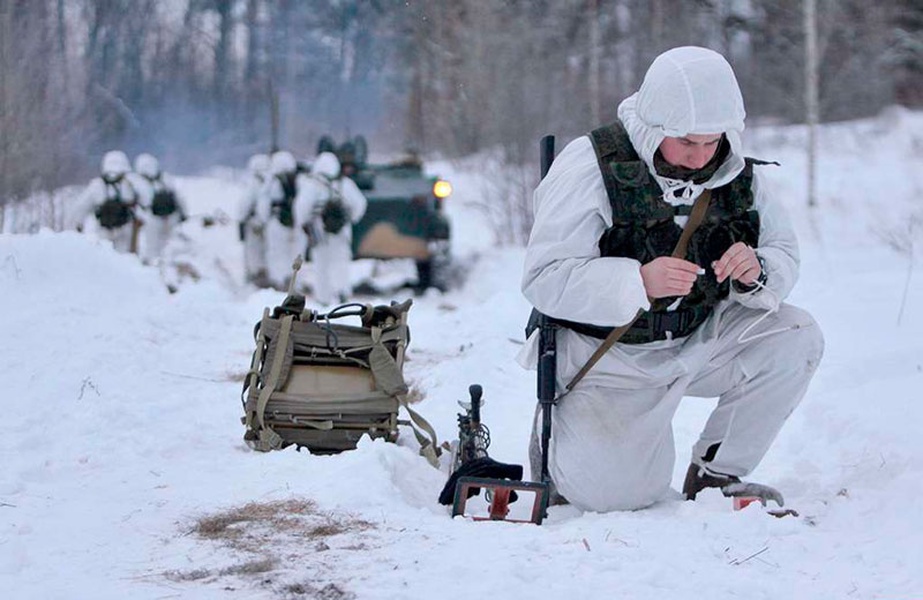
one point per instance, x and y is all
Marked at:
(318, 382)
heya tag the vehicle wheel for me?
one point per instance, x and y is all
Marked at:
(424, 275)
(362, 149)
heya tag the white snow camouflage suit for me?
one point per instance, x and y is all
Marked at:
(612, 444)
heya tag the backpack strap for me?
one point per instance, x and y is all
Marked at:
(269, 439)
(388, 378)
(252, 378)
(112, 190)
(133, 201)
(289, 189)
(335, 194)
(429, 448)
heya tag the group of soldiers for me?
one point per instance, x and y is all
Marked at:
(287, 210)
(136, 209)
(290, 210)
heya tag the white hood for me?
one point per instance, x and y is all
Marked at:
(115, 164)
(258, 164)
(326, 164)
(147, 165)
(687, 90)
(283, 161)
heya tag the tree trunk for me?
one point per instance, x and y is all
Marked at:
(595, 52)
(222, 52)
(811, 95)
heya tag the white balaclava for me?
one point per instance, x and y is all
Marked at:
(687, 90)
(326, 164)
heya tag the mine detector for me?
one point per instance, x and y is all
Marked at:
(472, 468)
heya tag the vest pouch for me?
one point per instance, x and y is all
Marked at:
(631, 174)
(282, 210)
(113, 213)
(164, 203)
(334, 215)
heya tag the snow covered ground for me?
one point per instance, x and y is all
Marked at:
(125, 476)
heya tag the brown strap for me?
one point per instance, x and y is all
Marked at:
(699, 208)
(695, 219)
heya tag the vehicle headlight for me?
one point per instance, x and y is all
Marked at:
(442, 189)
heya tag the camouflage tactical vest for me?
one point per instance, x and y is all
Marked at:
(164, 203)
(282, 208)
(643, 228)
(114, 212)
(334, 214)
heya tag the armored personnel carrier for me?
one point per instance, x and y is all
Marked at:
(404, 218)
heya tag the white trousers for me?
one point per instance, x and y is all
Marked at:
(281, 250)
(612, 442)
(157, 232)
(119, 236)
(332, 259)
(254, 250)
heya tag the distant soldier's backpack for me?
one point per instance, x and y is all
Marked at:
(282, 207)
(164, 203)
(319, 383)
(334, 215)
(113, 212)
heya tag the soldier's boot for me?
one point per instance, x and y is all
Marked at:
(699, 478)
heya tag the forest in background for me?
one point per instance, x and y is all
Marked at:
(195, 81)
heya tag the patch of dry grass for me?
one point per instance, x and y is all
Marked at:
(251, 526)
(251, 567)
(331, 591)
(263, 528)
(274, 515)
(193, 575)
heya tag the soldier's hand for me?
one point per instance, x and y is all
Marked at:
(739, 263)
(666, 276)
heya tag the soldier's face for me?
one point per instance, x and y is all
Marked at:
(692, 151)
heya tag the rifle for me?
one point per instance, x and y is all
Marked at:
(546, 376)
(136, 225)
(547, 345)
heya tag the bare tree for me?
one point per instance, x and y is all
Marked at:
(191, 80)
(904, 54)
(27, 115)
(595, 51)
(811, 96)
